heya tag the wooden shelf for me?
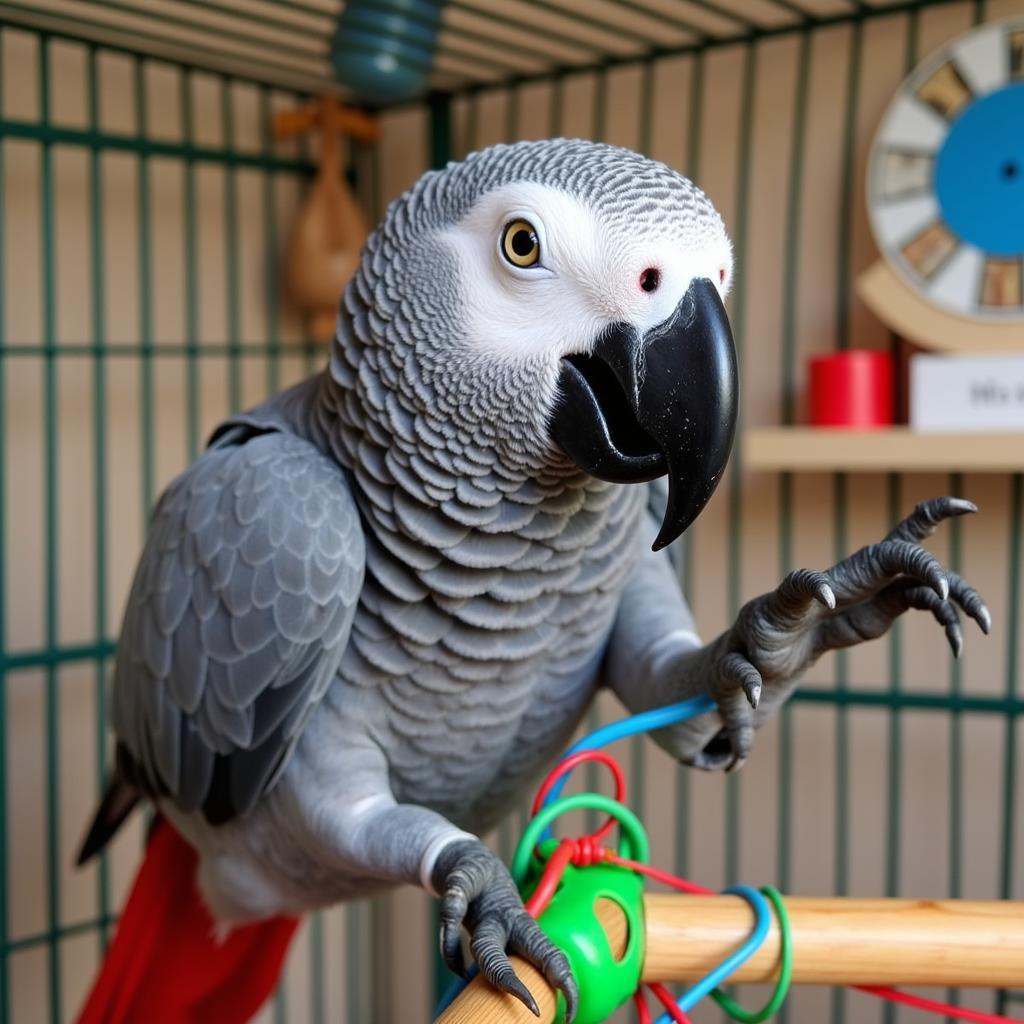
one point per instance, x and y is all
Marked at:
(898, 449)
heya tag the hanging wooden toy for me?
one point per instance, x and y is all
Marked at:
(330, 229)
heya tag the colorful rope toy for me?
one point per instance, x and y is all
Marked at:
(563, 880)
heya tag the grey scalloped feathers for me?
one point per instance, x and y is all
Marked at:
(378, 606)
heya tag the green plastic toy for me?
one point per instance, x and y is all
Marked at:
(570, 919)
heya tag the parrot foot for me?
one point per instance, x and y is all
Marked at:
(777, 636)
(477, 891)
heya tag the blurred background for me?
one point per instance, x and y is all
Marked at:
(171, 186)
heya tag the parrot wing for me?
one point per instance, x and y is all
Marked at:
(238, 617)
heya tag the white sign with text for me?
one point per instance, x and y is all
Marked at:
(966, 393)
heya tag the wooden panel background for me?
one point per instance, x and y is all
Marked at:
(154, 276)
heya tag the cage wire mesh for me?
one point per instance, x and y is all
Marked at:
(144, 206)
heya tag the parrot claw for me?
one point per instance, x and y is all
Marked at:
(477, 891)
(508, 981)
(777, 636)
(971, 602)
(924, 520)
(737, 693)
(794, 594)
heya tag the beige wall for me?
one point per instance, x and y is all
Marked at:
(401, 927)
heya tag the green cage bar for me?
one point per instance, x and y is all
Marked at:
(4, 815)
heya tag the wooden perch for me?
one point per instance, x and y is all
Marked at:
(836, 941)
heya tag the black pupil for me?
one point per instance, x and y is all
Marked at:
(523, 242)
(649, 279)
(1010, 170)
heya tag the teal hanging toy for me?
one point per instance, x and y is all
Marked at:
(384, 49)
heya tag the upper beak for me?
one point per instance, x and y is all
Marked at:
(641, 406)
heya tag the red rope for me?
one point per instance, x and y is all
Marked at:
(550, 879)
(932, 1006)
(572, 761)
(668, 1001)
(643, 1011)
(658, 875)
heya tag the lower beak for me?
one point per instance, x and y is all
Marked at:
(643, 406)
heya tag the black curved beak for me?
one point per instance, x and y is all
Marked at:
(642, 406)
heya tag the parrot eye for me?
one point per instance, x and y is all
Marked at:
(520, 244)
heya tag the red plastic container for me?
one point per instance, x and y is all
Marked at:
(852, 389)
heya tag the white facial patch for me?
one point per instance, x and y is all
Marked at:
(589, 275)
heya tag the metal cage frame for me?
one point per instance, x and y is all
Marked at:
(456, 102)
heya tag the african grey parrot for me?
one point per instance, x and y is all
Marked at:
(379, 604)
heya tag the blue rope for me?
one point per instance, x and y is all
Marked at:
(721, 974)
(455, 989)
(646, 721)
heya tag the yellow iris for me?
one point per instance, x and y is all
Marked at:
(520, 244)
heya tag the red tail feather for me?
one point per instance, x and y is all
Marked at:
(166, 966)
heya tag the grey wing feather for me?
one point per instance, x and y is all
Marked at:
(237, 620)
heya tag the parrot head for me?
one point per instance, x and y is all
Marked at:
(562, 302)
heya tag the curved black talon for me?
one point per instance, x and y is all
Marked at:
(477, 891)
(925, 519)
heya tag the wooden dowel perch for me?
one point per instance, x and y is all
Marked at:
(843, 941)
(838, 941)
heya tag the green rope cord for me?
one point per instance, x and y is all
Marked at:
(778, 997)
(633, 842)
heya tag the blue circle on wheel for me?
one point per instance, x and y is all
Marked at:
(979, 173)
